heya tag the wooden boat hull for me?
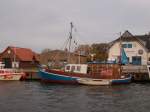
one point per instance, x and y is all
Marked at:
(66, 78)
(94, 82)
(57, 78)
(10, 77)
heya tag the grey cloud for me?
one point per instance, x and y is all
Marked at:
(40, 24)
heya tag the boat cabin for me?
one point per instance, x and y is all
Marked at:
(77, 68)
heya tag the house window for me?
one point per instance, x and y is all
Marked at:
(136, 60)
(9, 51)
(129, 45)
(124, 45)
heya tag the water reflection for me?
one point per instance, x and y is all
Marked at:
(39, 97)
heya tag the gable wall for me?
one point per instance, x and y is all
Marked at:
(114, 51)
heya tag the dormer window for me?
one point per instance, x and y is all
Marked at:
(129, 45)
(8, 51)
(124, 45)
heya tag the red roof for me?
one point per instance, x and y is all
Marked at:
(24, 54)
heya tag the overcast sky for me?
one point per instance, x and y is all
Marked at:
(39, 24)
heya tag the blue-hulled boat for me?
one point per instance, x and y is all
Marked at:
(126, 80)
(70, 76)
(54, 77)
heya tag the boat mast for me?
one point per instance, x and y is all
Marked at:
(79, 56)
(14, 61)
(120, 53)
(70, 38)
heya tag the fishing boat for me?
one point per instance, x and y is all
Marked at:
(97, 73)
(70, 75)
(73, 73)
(10, 74)
(94, 82)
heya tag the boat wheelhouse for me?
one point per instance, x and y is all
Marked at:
(76, 68)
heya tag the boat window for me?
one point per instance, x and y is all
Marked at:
(78, 68)
(68, 68)
(6, 71)
(72, 68)
(1, 71)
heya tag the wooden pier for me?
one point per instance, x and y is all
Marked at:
(31, 74)
(139, 73)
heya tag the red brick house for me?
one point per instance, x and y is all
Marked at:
(16, 57)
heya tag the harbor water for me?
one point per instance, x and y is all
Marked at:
(32, 96)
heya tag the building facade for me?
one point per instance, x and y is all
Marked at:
(136, 47)
(59, 58)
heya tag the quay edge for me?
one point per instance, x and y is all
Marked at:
(138, 72)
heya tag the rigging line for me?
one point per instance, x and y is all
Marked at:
(78, 51)
(57, 53)
(68, 40)
(66, 43)
(85, 42)
(53, 58)
(75, 42)
(81, 37)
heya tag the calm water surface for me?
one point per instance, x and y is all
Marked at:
(38, 97)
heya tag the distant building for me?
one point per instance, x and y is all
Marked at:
(59, 58)
(136, 47)
(16, 57)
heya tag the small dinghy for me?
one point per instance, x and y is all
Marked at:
(94, 82)
(122, 80)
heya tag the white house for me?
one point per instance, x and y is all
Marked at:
(136, 47)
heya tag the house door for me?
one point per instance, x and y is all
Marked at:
(7, 62)
(136, 60)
